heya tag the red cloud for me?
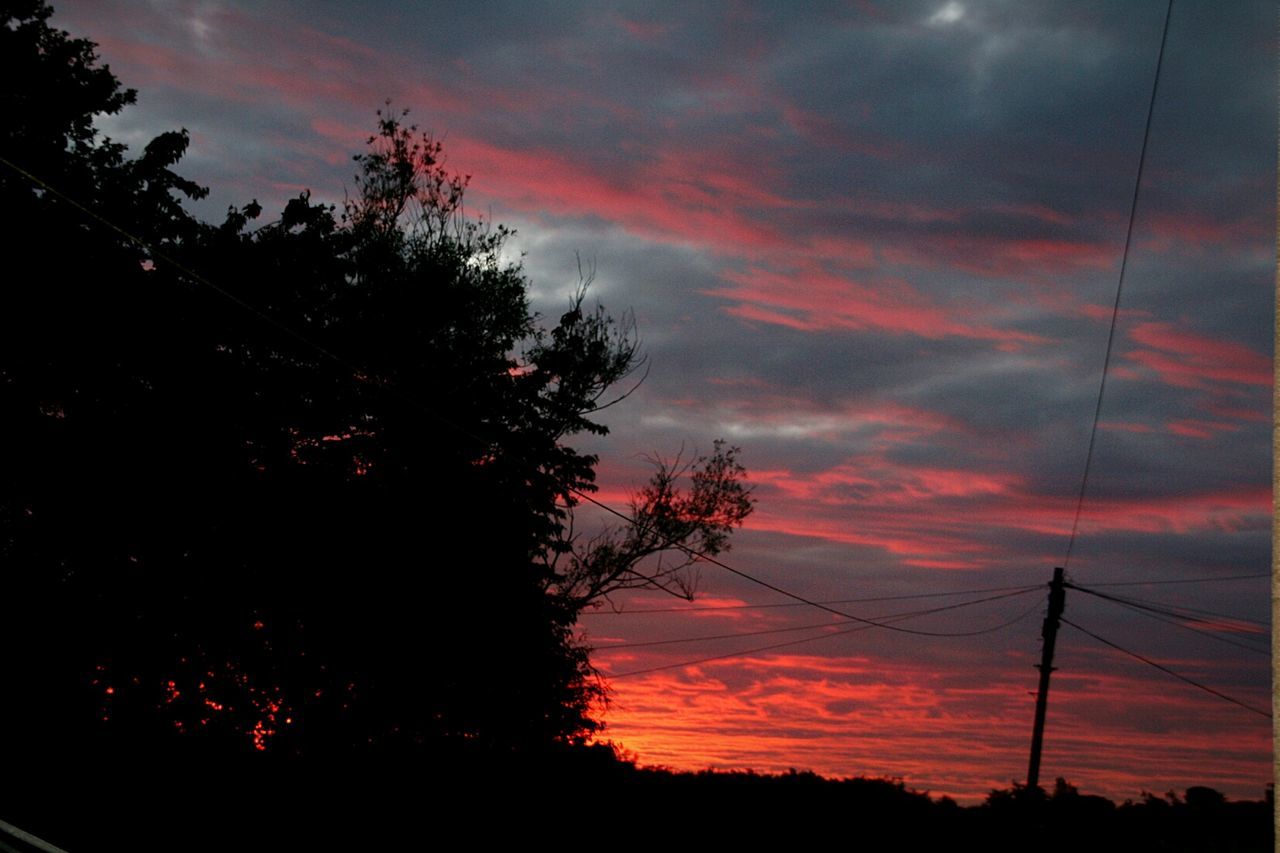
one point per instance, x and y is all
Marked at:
(810, 298)
(1189, 360)
(709, 207)
(987, 255)
(947, 518)
(1189, 231)
(1193, 428)
(1120, 426)
(844, 716)
(823, 131)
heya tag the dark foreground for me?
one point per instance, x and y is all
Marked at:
(576, 799)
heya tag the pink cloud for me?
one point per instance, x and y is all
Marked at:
(1042, 212)
(1119, 426)
(293, 72)
(821, 130)
(1190, 360)
(1238, 414)
(651, 198)
(1104, 312)
(1036, 259)
(645, 30)
(1193, 428)
(809, 298)
(1193, 231)
(948, 518)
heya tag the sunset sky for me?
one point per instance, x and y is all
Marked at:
(876, 246)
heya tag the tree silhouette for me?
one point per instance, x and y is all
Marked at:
(85, 371)
(667, 534)
(301, 487)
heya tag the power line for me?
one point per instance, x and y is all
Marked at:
(1115, 309)
(1195, 613)
(1220, 638)
(757, 649)
(183, 269)
(1165, 669)
(1186, 580)
(710, 637)
(738, 654)
(1153, 613)
(735, 607)
(906, 615)
(680, 546)
(1175, 610)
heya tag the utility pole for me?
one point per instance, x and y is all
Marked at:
(1057, 600)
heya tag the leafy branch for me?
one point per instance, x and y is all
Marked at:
(671, 531)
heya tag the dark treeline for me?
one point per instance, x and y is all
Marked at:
(591, 795)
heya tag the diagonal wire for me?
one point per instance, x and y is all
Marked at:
(810, 627)
(1166, 670)
(757, 649)
(1152, 613)
(1220, 638)
(181, 268)
(1194, 613)
(1186, 580)
(1115, 309)
(736, 607)
(680, 546)
(1175, 610)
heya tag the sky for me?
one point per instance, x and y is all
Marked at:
(876, 246)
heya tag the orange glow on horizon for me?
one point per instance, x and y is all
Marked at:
(936, 731)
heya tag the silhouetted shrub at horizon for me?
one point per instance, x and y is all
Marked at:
(588, 791)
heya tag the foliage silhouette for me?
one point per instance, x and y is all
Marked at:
(90, 445)
(228, 539)
(1017, 817)
(673, 528)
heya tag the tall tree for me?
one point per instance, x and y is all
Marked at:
(300, 488)
(84, 369)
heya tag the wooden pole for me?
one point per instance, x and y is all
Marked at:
(1057, 600)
